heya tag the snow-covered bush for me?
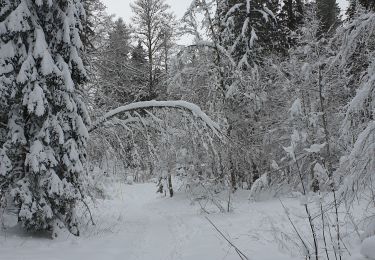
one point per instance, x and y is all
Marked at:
(358, 129)
(260, 188)
(129, 180)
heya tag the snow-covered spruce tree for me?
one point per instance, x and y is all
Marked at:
(328, 13)
(114, 75)
(355, 5)
(41, 161)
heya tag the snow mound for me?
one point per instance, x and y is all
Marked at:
(368, 247)
(259, 187)
(129, 180)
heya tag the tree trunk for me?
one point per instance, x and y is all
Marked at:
(170, 185)
(291, 20)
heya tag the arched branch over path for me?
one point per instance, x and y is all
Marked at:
(179, 104)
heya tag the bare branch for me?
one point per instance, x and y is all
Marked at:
(238, 251)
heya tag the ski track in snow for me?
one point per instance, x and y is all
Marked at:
(142, 225)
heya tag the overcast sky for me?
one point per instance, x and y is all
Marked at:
(121, 7)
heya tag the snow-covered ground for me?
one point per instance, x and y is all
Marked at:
(138, 223)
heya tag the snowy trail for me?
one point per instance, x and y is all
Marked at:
(141, 225)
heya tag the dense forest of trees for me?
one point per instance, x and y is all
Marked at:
(290, 84)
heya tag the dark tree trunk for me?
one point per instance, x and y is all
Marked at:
(170, 185)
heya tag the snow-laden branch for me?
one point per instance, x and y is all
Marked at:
(179, 104)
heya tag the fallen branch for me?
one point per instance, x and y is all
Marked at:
(238, 251)
(296, 230)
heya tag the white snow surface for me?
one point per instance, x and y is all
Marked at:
(138, 223)
(315, 148)
(368, 247)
